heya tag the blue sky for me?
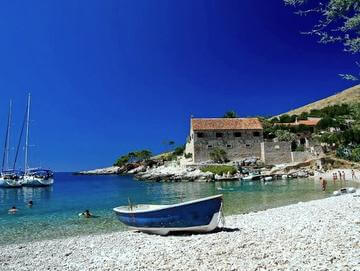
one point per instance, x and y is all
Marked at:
(107, 77)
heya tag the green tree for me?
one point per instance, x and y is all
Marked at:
(143, 155)
(303, 116)
(326, 123)
(121, 161)
(285, 118)
(330, 138)
(230, 114)
(284, 135)
(355, 154)
(338, 21)
(179, 150)
(218, 155)
(355, 112)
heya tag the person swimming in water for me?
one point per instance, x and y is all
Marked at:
(86, 214)
(30, 203)
(12, 210)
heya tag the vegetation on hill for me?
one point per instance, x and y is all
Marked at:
(343, 139)
(348, 96)
(133, 157)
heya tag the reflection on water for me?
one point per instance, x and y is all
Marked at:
(15, 196)
(56, 208)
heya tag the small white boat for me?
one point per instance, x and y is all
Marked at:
(252, 177)
(286, 176)
(345, 190)
(268, 179)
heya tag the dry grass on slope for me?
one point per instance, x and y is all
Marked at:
(348, 96)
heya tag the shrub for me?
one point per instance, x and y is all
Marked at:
(218, 155)
(179, 151)
(220, 170)
(355, 154)
(344, 153)
(121, 161)
(300, 148)
(285, 118)
(284, 135)
(188, 155)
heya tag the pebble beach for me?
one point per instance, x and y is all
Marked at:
(316, 235)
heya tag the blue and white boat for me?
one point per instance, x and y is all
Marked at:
(202, 215)
(11, 179)
(38, 177)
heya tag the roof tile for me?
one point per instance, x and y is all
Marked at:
(226, 124)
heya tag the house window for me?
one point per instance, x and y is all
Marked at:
(256, 134)
(237, 134)
(248, 145)
(200, 135)
(228, 146)
(210, 146)
(277, 147)
(219, 134)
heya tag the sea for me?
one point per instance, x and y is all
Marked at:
(56, 208)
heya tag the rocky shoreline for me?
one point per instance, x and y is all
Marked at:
(175, 171)
(316, 235)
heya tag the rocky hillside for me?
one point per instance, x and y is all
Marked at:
(349, 95)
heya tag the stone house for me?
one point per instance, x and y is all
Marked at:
(239, 137)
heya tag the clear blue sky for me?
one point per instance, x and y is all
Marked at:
(108, 77)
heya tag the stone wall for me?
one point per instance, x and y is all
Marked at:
(276, 152)
(237, 144)
(189, 147)
(301, 156)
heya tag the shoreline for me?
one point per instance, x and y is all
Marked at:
(317, 234)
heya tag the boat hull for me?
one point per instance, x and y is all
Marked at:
(6, 183)
(195, 216)
(37, 182)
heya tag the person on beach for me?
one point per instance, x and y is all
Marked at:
(353, 176)
(12, 210)
(323, 183)
(343, 176)
(335, 176)
(86, 214)
(340, 177)
(30, 203)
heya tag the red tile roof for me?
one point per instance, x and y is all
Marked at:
(310, 122)
(226, 124)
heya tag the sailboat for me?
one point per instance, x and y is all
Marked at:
(34, 176)
(9, 178)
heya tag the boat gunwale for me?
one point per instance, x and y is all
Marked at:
(162, 207)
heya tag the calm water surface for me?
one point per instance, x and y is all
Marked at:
(56, 208)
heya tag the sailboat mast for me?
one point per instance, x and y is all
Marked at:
(8, 136)
(27, 135)
(5, 161)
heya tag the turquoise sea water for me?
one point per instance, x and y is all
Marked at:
(56, 208)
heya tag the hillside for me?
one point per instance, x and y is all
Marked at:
(348, 96)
